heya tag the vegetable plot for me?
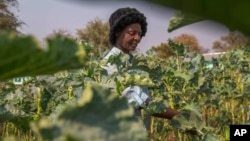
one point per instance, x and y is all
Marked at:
(86, 103)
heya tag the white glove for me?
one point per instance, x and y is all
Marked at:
(135, 94)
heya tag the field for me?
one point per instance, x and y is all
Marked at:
(85, 104)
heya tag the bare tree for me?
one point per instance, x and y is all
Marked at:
(190, 41)
(8, 20)
(62, 32)
(232, 40)
(165, 51)
(96, 33)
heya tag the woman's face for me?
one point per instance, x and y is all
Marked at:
(128, 39)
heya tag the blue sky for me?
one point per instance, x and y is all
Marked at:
(45, 16)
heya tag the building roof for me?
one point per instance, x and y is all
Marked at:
(209, 56)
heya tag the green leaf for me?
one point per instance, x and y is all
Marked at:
(104, 117)
(224, 11)
(188, 121)
(23, 56)
(180, 19)
(87, 96)
(178, 48)
(193, 108)
(210, 137)
(186, 76)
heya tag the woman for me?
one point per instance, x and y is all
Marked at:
(127, 27)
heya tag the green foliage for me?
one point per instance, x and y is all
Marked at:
(224, 11)
(85, 102)
(180, 19)
(178, 48)
(89, 119)
(210, 99)
(28, 58)
(216, 92)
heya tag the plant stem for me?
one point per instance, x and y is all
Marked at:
(39, 104)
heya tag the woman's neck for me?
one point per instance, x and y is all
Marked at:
(123, 50)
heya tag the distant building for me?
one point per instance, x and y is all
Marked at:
(209, 56)
(209, 59)
(20, 80)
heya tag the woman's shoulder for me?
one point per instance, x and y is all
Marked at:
(113, 51)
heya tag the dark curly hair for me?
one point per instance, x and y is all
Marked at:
(123, 17)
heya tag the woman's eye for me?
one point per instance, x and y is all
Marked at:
(131, 33)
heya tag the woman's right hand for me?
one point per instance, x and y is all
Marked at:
(167, 114)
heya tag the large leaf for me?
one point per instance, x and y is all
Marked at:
(231, 13)
(189, 120)
(180, 19)
(24, 56)
(98, 115)
(210, 137)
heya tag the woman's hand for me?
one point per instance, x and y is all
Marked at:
(168, 114)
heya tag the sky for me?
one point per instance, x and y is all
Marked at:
(43, 17)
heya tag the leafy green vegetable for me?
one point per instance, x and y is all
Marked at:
(180, 19)
(233, 14)
(102, 117)
(24, 56)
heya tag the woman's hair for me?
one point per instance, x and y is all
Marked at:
(123, 17)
